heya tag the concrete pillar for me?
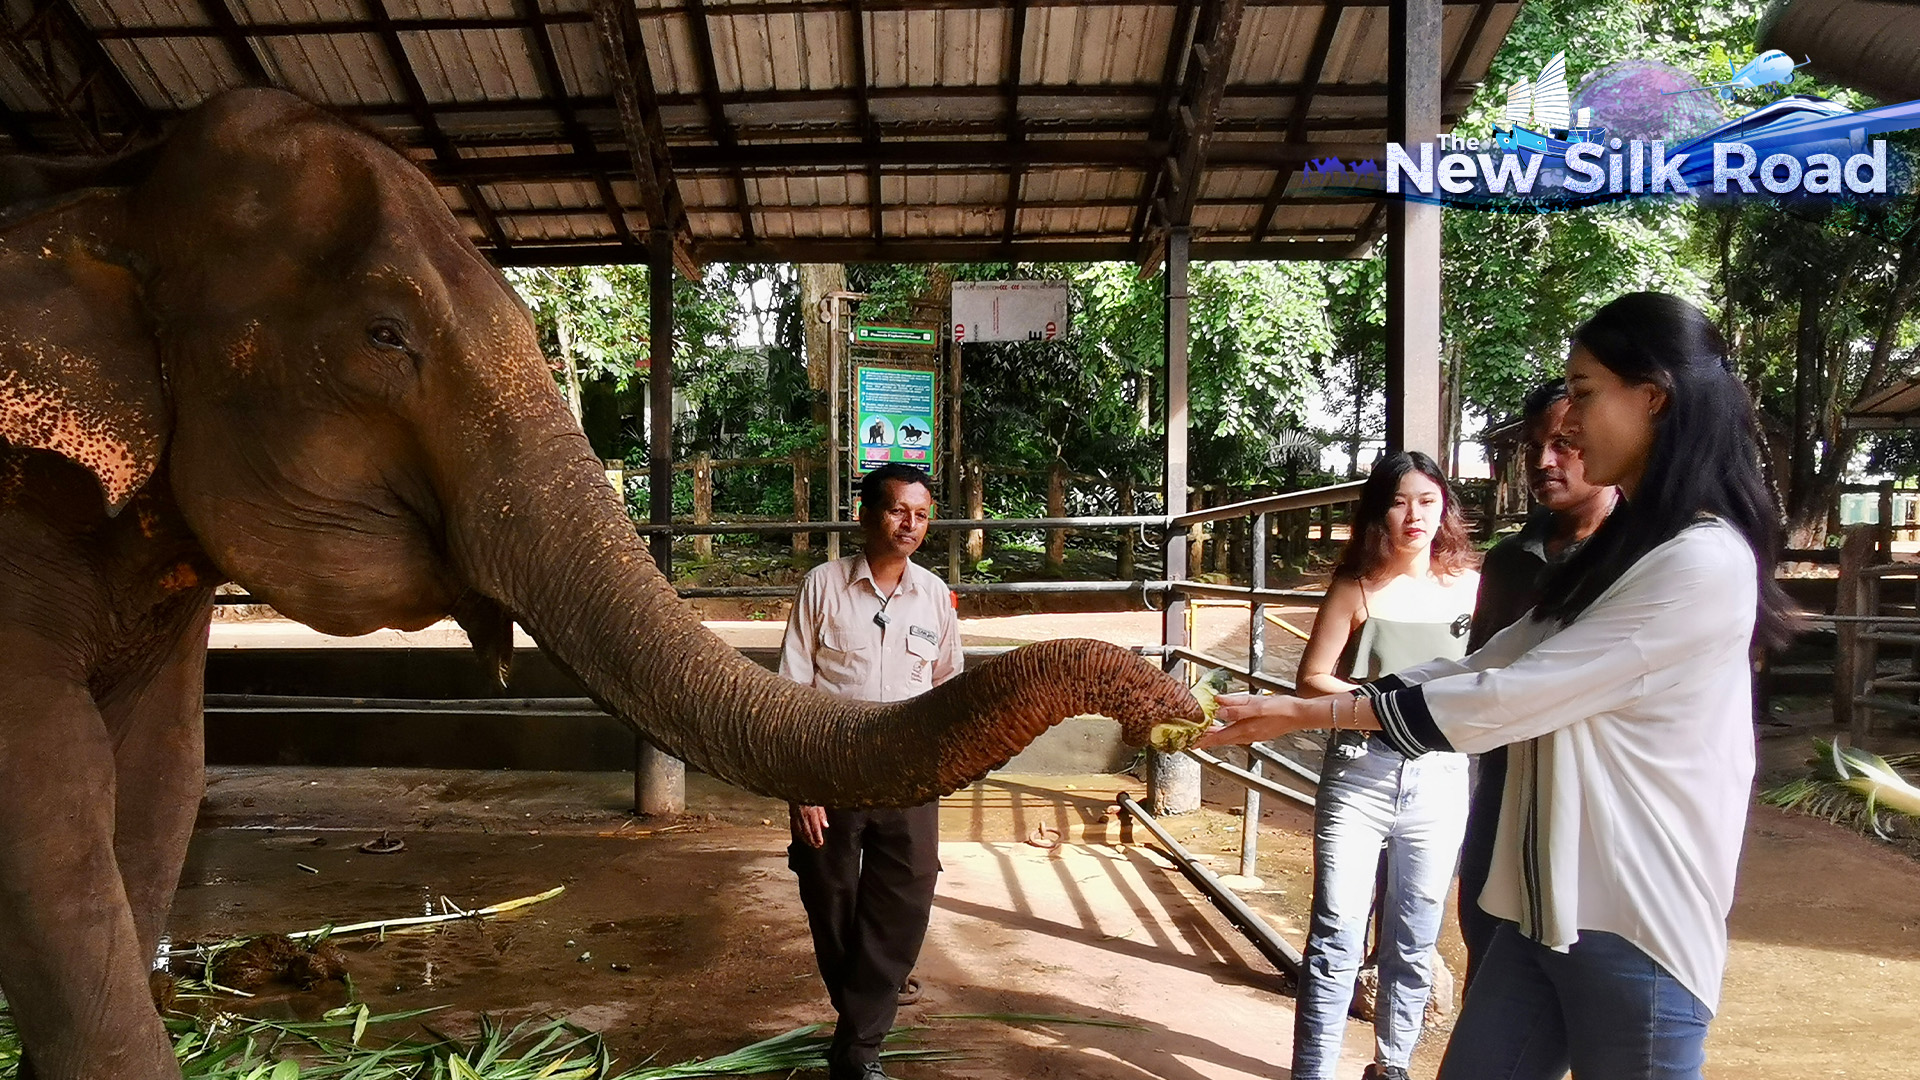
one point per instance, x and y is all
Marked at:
(1413, 235)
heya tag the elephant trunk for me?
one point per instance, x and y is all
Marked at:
(560, 553)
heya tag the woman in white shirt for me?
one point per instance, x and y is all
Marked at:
(1626, 699)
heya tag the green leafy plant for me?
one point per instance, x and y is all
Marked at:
(1850, 786)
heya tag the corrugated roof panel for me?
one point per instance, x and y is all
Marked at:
(742, 53)
(1359, 52)
(173, 74)
(1310, 216)
(1275, 44)
(339, 69)
(920, 48)
(886, 61)
(670, 53)
(786, 70)
(459, 9)
(708, 191)
(828, 60)
(1098, 53)
(455, 65)
(1058, 44)
(971, 47)
(1237, 183)
(576, 48)
(837, 222)
(707, 224)
(1236, 219)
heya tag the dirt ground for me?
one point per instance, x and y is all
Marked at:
(685, 939)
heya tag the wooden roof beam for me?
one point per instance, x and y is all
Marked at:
(1016, 132)
(863, 101)
(716, 111)
(1217, 30)
(816, 249)
(443, 151)
(553, 88)
(973, 156)
(1186, 24)
(56, 51)
(1316, 70)
(239, 50)
(341, 27)
(625, 55)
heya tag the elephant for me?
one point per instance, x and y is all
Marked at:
(262, 351)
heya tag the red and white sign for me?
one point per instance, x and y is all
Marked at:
(1009, 310)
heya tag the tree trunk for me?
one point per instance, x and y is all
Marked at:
(1057, 507)
(1802, 465)
(565, 336)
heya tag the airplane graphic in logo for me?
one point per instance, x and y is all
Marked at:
(1772, 66)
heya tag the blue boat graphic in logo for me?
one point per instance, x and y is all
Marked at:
(1545, 104)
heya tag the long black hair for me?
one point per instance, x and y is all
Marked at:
(1705, 457)
(1370, 547)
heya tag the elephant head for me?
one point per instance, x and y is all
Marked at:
(279, 318)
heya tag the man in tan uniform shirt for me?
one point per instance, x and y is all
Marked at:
(875, 627)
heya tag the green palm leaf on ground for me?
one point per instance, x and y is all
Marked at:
(1851, 786)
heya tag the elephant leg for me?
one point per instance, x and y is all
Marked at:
(159, 777)
(71, 963)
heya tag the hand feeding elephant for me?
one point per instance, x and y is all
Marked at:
(264, 352)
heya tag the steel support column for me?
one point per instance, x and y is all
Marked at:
(1174, 779)
(659, 781)
(1413, 236)
(660, 393)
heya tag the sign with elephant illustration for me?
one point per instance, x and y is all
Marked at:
(893, 412)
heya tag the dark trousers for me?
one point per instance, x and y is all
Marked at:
(1476, 856)
(868, 893)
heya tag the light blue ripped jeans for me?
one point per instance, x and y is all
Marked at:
(1417, 810)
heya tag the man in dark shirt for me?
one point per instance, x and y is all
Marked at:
(1567, 511)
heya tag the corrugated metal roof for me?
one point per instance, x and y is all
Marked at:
(894, 129)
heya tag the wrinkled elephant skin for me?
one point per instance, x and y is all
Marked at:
(262, 351)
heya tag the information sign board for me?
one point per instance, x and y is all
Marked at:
(919, 336)
(1009, 310)
(894, 414)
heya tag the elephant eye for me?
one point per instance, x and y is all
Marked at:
(387, 336)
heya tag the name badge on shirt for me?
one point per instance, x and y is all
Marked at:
(925, 634)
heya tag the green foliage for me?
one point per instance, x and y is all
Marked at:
(222, 1046)
(594, 315)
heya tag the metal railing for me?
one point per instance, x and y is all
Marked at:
(1252, 775)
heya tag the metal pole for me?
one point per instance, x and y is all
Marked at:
(1256, 655)
(834, 344)
(1413, 234)
(1173, 780)
(955, 483)
(660, 394)
(659, 782)
(1271, 945)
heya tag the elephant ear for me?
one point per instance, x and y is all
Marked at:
(79, 372)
